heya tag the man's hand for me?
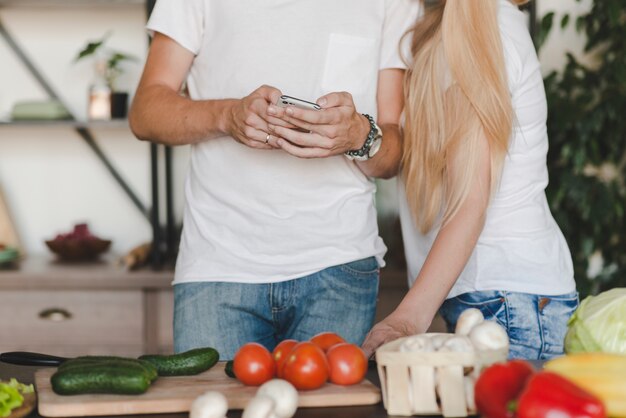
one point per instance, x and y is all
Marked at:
(391, 328)
(248, 120)
(335, 129)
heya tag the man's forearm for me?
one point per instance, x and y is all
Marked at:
(160, 115)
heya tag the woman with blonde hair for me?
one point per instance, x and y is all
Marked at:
(476, 224)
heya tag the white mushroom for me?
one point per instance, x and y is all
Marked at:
(438, 340)
(417, 343)
(274, 399)
(209, 405)
(259, 407)
(284, 394)
(468, 319)
(489, 336)
(458, 344)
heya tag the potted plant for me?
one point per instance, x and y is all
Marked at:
(587, 158)
(105, 99)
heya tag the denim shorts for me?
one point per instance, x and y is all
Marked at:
(226, 315)
(536, 324)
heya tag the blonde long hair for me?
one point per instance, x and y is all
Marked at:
(457, 94)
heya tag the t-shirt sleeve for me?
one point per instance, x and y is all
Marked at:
(183, 21)
(400, 16)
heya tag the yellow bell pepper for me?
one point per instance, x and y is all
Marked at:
(602, 374)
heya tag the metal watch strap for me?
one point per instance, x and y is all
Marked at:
(362, 153)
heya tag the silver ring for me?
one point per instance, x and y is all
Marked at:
(267, 138)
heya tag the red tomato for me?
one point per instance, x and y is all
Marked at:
(347, 362)
(280, 354)
(306, 366)
(253, 364)
(325, 340)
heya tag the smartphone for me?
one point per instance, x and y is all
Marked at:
(286, 101)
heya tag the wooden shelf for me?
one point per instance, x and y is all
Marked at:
(113, 123)
(46, 273)
(68, 3)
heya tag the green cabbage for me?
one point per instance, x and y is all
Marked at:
(11, 396)
(599, 324)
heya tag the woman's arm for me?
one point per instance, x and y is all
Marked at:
(160, 114)
(390, 102)
(445, 262)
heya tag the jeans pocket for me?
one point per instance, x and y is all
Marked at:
(555, 312)
(345, 292)
(366, 267)
(491, 303)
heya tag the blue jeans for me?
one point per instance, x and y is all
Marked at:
(225, 316)
(536, 324)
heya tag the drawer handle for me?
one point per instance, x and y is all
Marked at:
(55, 314)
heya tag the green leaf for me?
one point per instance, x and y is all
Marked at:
(580, 24)
(587, 127)
(90, 49)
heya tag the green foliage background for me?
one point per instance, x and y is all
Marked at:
(587, 157)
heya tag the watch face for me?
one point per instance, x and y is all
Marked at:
(375, 146)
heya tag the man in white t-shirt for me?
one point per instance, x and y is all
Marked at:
(280, 237)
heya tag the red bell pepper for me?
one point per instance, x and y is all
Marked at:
(549, 395)
(498, 387)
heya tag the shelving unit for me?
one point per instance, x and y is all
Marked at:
(165, 235)
(98, 307)
(68, 3)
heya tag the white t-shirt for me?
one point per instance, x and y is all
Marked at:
(521, 248)
(260, 216)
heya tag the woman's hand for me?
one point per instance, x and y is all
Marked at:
(335, 129)
(391, 328)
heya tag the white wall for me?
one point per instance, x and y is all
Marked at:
(553, 52)
(50, 178)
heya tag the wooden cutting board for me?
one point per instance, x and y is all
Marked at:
(175, 394)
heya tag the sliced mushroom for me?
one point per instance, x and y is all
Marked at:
(489, 336)
(468, 319)
(209, 405)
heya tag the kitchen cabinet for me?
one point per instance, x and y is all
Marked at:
(93, 308)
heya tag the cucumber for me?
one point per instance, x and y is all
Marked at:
(105, 377)
(183, 364)
(148, 368)
(228, 369)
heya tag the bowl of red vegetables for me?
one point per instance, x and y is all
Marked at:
(78, 245)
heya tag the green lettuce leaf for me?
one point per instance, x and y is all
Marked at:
(11, 396)
(599, 324)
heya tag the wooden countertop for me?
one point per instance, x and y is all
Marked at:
(48, 273)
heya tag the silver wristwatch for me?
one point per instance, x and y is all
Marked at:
(372, 143)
